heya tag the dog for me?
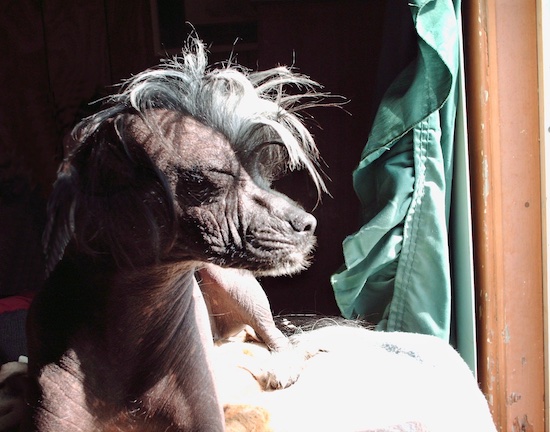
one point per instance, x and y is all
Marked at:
(167, 186)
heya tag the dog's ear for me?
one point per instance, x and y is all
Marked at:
(111, 198)
(60, 223)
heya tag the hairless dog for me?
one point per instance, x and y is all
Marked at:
(168, 186)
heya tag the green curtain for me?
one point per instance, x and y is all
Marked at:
(397, 269)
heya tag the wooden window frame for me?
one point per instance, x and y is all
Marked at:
(502, 83)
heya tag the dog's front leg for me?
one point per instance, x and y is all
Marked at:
(235, 299)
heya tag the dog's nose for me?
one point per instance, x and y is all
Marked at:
(303, 222)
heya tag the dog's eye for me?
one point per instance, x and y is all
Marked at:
(195, 188)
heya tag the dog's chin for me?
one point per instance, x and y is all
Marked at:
(286, 268)
(266, 263)
(279, 262)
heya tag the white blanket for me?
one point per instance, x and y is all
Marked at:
(364, 381)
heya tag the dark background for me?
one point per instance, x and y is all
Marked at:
(58, 56)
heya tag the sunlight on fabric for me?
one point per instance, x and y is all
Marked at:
(461, 233)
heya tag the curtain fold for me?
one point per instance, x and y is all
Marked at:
(396, 269)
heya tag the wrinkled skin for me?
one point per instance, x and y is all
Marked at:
(224, 205)
(235, 299)
(120, 336)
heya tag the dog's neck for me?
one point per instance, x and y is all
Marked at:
(148, 310)
(161, 313)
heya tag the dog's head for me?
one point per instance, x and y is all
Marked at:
(179, 167)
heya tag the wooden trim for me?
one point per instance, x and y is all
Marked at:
(543, 50)
(503, 126)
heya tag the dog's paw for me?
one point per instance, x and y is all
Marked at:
(282, 368)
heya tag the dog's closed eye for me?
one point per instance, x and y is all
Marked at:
(194, 188)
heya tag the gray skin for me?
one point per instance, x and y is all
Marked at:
(235, 299)
(120, 336)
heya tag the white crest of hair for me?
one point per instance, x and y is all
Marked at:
(250, 109)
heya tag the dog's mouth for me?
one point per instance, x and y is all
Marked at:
(265, 255)
(272, 256)
(275, 249)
